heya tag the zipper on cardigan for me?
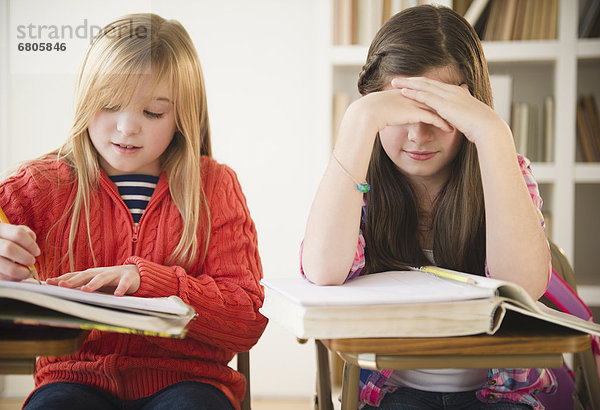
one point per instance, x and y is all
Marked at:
(134, 237)
(118, 199)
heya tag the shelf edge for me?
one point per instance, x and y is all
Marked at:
(588, 48)
(495, 52)
(587, 173)
(544, 172)
(590, 294)
(521, 51)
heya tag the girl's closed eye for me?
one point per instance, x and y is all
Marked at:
(152, 114)
(147, 113)
(157, 108)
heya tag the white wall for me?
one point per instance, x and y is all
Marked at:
(263, 64)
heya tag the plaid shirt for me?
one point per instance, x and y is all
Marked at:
(514, 385)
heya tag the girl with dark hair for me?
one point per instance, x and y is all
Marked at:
(445, 187)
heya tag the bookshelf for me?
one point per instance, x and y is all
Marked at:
(563, 68)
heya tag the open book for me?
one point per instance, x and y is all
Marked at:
(403, 304)
(30, 303)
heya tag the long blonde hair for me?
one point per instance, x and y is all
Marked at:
(125, 50)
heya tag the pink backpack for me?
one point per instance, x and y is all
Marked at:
(572, 391)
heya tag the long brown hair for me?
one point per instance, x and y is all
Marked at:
(119, 56)
(411, 43)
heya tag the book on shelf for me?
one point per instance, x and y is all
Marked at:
(520, 126)
(533, 129)
(537, 30)
(549, 128)
(584, 137)
(357, 21)
(589, 19)
(502, 93)
(588, 128)
(404, 304)
(391, 7)
(490, 27)
(519, 21)
(344, 22)
(535, 141)
(527, 8)
(593, 120)
(506, 20)
(29, 303)
(470, 9)
(548, 222)
(369, 20)
(550, 20)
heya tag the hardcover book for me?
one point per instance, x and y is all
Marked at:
(404, 304)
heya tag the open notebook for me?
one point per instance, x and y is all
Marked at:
(403, 304)
(30, 303)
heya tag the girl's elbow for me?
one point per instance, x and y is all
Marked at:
(327, 281)
(547, 274)
(538, 290)
(324, 275)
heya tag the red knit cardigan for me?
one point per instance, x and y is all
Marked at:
(225, 291)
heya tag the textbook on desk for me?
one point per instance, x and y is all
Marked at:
(403, 304)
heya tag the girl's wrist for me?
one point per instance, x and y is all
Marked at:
(496, 148)
(494, 138)
(357, 127)
(354, 143)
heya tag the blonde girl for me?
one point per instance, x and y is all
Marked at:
(425, 172)
(141, 128)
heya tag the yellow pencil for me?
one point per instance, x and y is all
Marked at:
(32, 268)
(448, 275)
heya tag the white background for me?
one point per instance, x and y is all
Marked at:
(264, 69)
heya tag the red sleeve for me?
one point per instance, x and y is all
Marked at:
(17, 198)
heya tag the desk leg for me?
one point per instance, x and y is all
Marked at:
(323, 378)
(350, 386)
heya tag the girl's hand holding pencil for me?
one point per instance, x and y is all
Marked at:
(18, 250)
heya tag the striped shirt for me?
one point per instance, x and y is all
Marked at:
(136, 191)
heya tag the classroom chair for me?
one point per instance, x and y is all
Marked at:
(243, 366)
(587, 385)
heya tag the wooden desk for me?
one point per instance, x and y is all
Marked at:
(530, 344)
(19, 346)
